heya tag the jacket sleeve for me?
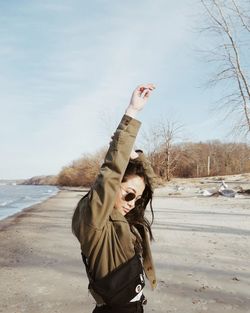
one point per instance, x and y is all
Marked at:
(102, 195)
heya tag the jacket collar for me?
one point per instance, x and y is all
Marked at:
(117, 216)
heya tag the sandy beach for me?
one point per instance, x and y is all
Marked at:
(201, 252)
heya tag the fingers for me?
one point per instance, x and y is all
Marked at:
(145, 93)
(146, 86)
(139, 98)
(145, 90)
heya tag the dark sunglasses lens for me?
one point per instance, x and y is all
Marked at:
(129, 196)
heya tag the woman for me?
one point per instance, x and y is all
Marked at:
(110, 224)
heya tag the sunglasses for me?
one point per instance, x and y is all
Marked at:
(129, 196)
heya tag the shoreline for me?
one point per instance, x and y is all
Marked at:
(15, 216)
(201, 253)
(59, 189)
(22, 206)
(11, 219)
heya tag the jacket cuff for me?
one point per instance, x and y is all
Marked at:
(128, 120)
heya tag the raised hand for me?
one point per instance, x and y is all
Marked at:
(139, 98)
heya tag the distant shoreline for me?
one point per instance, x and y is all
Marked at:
(13, 218)
(21, 208)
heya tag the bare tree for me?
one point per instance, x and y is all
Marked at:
(151, 144)
(160, 140)
(225, 159)
(228, 21)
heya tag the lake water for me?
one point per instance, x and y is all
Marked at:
(14, 198)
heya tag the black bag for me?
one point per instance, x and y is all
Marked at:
(122, 284)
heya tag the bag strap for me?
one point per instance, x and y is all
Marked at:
(85, 261)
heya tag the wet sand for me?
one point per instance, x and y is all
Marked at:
(201, 252)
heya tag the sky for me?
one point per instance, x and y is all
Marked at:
(68, 68)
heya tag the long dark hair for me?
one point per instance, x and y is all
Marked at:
(136, 217)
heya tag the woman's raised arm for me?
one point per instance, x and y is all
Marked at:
(100, 202)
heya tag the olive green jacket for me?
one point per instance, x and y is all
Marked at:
(103, 232)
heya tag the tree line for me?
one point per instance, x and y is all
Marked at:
(212, 158)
